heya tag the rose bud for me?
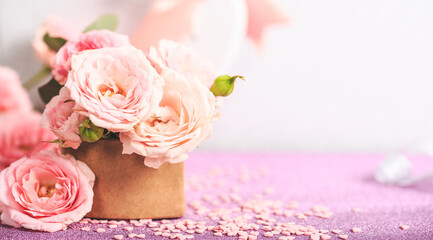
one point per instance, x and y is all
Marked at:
(223, 85)
(89, 132)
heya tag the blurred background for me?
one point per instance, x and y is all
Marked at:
(341, 76)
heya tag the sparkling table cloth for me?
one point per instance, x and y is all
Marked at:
(344, 184)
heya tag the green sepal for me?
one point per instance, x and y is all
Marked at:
(107, 21)
(53, 141)
(224, 85)
(54, 43)
(37, 78)
(106, 134)
(89, 132)
(49, 90)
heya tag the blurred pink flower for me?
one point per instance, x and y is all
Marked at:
(13, 97)
(261, 15)
(114, 87)
(59, 117)
(175, 20)
(56, 27)
(90, 40)
(45, 192)
(21, 135)
(182, 121)
(183, 60)
(167, 19)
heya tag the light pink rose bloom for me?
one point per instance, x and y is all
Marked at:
(91, 40)
(114, 87)
(13, 97)
(60, 117)
(45, 192)
(21, 135)
(182, 121)
(56, 27)
(183, 60)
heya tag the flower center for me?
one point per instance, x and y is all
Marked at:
(163, 116)
(111, 90)
(154, 120)
(47, 190)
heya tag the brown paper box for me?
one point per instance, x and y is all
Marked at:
(126, 189)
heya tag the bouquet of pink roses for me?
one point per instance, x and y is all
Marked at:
(159, 104)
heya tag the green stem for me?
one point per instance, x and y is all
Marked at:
(37, 78)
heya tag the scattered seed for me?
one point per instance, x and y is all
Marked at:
(293, 205)
(356, 210)
(132, 235)
(252, 237)
(325, 237)
(268, 190)
(243, 219)
(315, 237)
(140, 236)
(404, 227)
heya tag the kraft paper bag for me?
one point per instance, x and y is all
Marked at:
(126, 189)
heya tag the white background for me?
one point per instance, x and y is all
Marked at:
(343, 76)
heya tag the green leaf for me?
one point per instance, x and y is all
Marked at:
(115, 135)
(106, 134)
(38, 77)
(54, 141)
(224, 85)
(108, 21)
(49, 90)
(54, 43)
(89, 132)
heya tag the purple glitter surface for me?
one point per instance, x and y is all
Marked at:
(338, 182)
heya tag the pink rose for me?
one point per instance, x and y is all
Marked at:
(60, 117)
(21, 135)
(13, 97)
(87, 41)
(114, 87)
(182, 121)
(183, 60)
(56, 27)
(45, 192)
